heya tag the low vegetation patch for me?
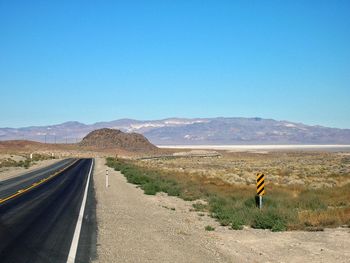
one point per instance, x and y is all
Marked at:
(26, 162)
(209, 228)
(284, 208)
(12, 163)
(150, 181)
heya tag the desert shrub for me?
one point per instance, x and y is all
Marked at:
(8, 163)
(149, 181)
(150, 188)
(228, 212)
(172, 190)
(209, 228)
(237, 223)
(26, 164)
(270, 219)
(200, 207)
(40, 157)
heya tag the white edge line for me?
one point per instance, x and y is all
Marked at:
(74, 246)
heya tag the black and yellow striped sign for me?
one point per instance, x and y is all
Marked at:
(260, 184)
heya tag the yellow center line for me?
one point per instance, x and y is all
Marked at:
(22, 191)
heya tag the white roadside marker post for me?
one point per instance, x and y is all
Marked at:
(107, 178)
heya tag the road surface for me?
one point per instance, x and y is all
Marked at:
(39, 215)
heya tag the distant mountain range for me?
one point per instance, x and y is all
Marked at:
(181, 131)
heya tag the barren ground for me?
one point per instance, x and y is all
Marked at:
(133, 227)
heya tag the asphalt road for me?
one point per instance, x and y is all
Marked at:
(12, 185)
(38, 225)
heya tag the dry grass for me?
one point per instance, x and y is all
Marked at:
(328, 218)
(310, 169)
(288, 206)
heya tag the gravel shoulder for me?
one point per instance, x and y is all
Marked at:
(134, 227)
(10, 172)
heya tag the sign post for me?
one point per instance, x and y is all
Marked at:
(260, 189)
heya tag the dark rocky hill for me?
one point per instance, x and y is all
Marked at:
(190, 131)
(111, 138)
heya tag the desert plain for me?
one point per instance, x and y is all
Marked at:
(136, 227)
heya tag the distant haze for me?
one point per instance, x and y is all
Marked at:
(196, 131)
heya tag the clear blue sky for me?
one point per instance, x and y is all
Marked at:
(103, 60)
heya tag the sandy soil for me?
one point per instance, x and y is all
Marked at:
(9, 172)
(133, 227)
(16, 158)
